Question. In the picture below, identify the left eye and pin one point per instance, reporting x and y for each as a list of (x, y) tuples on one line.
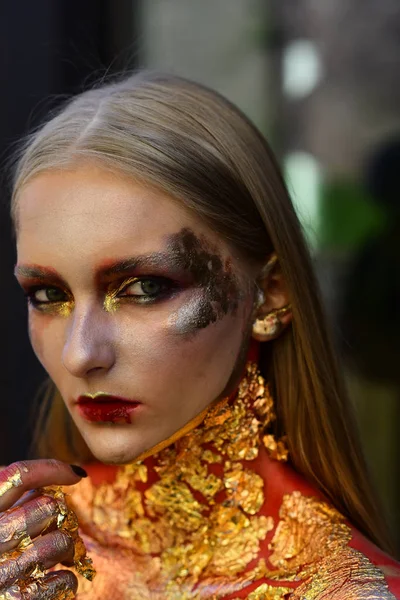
[(144, 287)]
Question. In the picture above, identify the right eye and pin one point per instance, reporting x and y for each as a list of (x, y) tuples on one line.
[(47, 295)]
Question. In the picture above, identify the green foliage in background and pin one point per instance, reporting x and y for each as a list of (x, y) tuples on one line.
[(348, 216)]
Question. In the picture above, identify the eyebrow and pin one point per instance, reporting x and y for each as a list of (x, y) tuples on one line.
[(127, 265), (105, 270), (36, 272)]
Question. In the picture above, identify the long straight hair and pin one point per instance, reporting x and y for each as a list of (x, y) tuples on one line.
[(193, 144)]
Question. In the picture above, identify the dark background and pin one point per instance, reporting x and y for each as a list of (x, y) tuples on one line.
[(48, 51)]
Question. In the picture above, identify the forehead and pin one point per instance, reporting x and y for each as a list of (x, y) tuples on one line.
[(92, 213)]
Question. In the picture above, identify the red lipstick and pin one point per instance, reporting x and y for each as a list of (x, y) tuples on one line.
[(105, 408)]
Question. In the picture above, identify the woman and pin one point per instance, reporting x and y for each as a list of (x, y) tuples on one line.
[(172, 302)]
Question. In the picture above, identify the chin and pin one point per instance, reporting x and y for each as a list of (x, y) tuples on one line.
[(114, 448), (113, 458)]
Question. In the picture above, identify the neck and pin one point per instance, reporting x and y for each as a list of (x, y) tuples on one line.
[(205, 478)]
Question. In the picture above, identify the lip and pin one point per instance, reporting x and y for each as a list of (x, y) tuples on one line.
[(106, 408)]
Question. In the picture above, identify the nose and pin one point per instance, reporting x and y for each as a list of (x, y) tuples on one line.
[(89, 343)]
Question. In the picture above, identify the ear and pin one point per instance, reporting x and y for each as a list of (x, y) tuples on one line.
[(273, 312)]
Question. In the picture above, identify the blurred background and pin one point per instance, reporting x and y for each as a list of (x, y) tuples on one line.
[(320, 78)]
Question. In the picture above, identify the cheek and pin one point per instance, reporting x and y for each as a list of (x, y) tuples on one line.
[(37, 329), (44, 340), (169, 363)]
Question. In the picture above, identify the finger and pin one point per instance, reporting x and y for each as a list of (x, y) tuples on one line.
[(46, 551), (27, 497), (22, 476), (59, 584), (30, 519), (12, 593)]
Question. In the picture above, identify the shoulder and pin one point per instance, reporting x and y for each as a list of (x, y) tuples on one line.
[(385, 565), (348, 574), (314, 544)]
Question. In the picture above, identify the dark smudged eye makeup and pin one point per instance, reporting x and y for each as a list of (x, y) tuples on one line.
[(46, 295), (146, 289), (136, 289)]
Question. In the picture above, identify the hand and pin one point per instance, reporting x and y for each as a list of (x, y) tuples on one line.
[(28, 513)]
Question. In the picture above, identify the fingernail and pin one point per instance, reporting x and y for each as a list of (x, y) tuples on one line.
[(78, 471)]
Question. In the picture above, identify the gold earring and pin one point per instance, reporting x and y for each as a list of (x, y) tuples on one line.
[(270, 325)]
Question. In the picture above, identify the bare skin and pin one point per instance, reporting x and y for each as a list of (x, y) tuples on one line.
[(22, 514)]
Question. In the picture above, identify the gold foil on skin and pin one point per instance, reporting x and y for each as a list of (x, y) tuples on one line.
[(47, 592), (307, 530), (14, 529), (277, 449), (13, 480), (268, 592), (186, 536), (34, 587), (347, 575), (310, 543), (14, 571), (245, 488), (38, 572), (13, 593), (24, 543), (14, 523), (177, 517), (68, 522)]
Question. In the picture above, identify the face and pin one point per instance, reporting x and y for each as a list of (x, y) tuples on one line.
[(138, 311)]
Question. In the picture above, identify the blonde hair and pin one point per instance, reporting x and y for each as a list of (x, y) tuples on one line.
[(196, 146)]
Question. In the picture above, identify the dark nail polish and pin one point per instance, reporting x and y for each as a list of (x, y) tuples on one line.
[(78, 471)]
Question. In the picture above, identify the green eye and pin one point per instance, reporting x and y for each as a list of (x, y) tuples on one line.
[(143, 287), (150, 287), (49, 295)]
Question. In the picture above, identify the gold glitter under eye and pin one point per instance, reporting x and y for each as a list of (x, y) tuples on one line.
[(191, 522), (110, 302), (112, 299), (61, 309), (50, 305)]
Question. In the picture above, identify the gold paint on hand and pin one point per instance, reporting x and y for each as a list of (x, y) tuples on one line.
[(13, 480)]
